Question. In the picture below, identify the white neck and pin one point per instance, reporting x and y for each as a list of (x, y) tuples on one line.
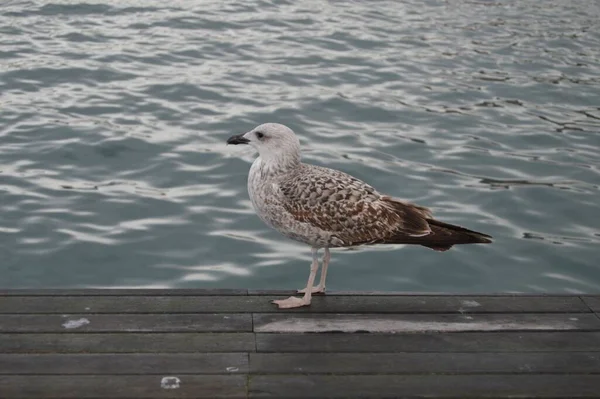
[(273, 165), (280, 160)]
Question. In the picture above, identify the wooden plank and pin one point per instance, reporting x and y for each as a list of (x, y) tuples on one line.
[(134, 304), (119, 386), (593, 302), (132, 364), (436, 386), (126, 342), (253, 292), (123, 292), (431, 342), (424, 363), (391, 323), (228, 322), (321, 304), (269, 292)]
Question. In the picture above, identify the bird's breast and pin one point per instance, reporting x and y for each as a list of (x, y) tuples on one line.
[(261, 188)]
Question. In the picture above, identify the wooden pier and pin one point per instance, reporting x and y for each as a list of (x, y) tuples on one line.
[(235, 344)]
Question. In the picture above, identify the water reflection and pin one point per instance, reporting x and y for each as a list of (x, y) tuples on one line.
[(114, 172)]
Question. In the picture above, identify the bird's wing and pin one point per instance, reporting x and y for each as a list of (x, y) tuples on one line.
[(350, 209)]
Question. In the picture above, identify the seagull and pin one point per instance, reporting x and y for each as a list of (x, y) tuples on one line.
[(326, 208)]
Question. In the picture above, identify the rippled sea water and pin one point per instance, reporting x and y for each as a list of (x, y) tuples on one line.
[(114, 114)]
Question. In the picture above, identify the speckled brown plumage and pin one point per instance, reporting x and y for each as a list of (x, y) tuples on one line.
[(355, 213)]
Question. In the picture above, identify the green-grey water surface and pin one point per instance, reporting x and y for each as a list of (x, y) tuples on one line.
[(114, 114)]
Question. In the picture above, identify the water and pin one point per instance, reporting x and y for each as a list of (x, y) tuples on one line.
[(114, 115)]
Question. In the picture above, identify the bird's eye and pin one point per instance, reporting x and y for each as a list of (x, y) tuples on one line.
[(260, 135)]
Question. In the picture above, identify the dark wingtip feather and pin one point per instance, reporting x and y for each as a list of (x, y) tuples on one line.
[(486, 239), (469, 236)]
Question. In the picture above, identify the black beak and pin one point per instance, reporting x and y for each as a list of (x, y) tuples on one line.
[(239, 139)]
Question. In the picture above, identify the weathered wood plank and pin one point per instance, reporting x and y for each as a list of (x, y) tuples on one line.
[(431, 342), (131, 364), (321, 304), (269, 292), (123, 292), (593, 302), (253, 292), (424, 363), (133, 304), (118, 386), (126, 342), (392, 323), (436, 386), (227, 322)]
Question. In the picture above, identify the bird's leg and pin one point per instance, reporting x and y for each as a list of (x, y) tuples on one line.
[(320, 288), (315, 259), (326, 258), (295, 302)]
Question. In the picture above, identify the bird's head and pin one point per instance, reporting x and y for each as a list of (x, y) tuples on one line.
[(273, 141)]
